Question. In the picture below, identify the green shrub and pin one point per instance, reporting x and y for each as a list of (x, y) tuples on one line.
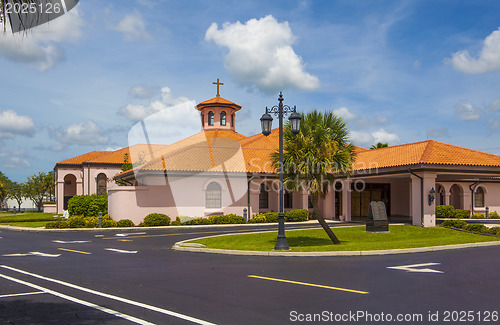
[(91, 222), (198, 221), (57, 224), (296, 215), (156, 219), (76, 222), (258, 218), (227, 219), (108, 223), (445, 211), (125, 223), (477, 216), (494, 215), (454, 223), (88, 205), (271, 216), (461, 214), (494, 231), (477, 228)]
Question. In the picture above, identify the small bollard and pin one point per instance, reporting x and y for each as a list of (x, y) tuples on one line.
[(100, 219), (245, 214), (487, 212)]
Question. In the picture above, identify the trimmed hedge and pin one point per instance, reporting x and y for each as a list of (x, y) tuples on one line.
[(82, 222), (478, 216), (476, 228), (454, 223), (445, 211), (125, 223), (226, 219), (461, 214), (155, 219), (494, 215), (88, 205), (296, 215)]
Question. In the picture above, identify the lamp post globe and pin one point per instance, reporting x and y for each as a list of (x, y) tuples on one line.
[(266, 122), (295, 122)]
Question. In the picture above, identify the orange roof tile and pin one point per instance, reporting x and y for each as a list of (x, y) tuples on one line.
[(82, 158), (216, 101)]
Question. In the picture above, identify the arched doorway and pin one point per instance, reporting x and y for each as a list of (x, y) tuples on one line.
[(69, 189), (440, 197), (456, 196), (102, 183)]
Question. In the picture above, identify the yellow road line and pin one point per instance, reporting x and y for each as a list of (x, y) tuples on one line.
[(307, 284), (99, 235), (124, 239), (71, 250)]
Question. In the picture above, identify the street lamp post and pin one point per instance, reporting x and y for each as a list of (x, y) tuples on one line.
[(266, 122)]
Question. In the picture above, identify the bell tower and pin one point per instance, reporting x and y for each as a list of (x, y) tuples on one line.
[(218, 113)]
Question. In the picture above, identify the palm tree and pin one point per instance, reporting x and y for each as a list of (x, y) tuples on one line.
[(379, 145), (315, 157)]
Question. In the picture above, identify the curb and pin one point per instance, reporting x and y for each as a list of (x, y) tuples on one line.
[(179, 247)]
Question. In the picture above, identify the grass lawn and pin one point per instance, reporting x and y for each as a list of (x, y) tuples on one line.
[(351, 238), (28, 219)]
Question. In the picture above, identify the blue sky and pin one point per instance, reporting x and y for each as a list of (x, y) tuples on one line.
[(396, 71)]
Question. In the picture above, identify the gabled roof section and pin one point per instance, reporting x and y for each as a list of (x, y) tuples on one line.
[(428, 152), (82, 158)]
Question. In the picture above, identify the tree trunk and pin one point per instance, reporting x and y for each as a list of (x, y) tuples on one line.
[(321, 220)]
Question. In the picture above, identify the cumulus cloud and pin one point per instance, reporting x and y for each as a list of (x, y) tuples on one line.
[(467, 112), (143, 92), (494, 106), (344, 113), (85, 133), (261, 55), (167, 100), (365, 139), (16, 163), (40, 47), (12, 124), (132, 27), (487, 60)]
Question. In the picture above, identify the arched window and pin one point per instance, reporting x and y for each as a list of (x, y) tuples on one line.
[(223, 118), (101, 181), (263, 197), (232, 120), (479, 197), (210, 118), (213, 196)]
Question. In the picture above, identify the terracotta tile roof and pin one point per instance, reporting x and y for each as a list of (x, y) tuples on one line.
[(82, 158), (429, 152), (216, 101)]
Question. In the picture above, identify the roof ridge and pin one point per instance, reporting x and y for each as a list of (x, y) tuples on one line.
[(257, 136), (427, 151), (475, 150)]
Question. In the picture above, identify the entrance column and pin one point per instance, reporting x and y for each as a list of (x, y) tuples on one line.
[(429, 210), (415, 201), (346, 200)]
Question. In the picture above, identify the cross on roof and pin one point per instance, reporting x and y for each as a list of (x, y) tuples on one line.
[(218, 84)]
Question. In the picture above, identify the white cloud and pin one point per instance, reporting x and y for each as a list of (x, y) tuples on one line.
[(136, 112), (261, 54), (467, 112), (11, 124), (494, 106), (40, 46), (85, 133), (143, 92), (365, 139), (488, 59), (132, 27), (344, 113), (16, 163)]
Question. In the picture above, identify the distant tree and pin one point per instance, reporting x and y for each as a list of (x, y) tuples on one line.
[(51, 185), (37, 188), (127, 165), (379, 145), (4, 183), (16, 191)]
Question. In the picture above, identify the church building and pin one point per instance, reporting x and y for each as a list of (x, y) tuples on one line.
[(220, 171)]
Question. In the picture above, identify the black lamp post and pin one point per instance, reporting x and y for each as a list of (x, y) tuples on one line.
[(266, 121)]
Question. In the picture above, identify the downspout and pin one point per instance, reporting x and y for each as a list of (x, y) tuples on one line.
[(421, 196), (472, 195)]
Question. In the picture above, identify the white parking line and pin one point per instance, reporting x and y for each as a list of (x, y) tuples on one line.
[(71, 241), (120, 251), (79, 301), (106, 295), (22, 294)]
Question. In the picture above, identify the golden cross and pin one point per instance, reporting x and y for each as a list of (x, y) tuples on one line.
[(218, 84)]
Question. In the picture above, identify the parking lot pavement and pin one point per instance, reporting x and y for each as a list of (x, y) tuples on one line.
[(119, 277)]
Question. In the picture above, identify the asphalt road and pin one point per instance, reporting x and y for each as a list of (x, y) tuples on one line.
[(103, 278)]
